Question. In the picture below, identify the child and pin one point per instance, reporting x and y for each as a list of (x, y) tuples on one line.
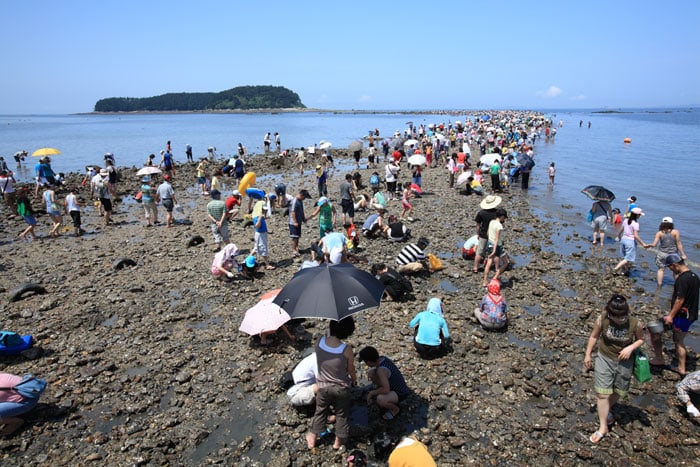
[(493, 311), (417, 172), (405, 205), (551, 172), (617, 223)]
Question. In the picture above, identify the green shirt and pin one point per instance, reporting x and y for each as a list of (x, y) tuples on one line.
[(216, 209)]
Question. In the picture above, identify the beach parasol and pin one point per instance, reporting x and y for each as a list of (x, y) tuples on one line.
[(598, 193), (262, 317), (463, 177), (355, 146), (330, 292), (46, 152), (150, 170), (440, 136), (410, 142), (416, 159), (489, 158), (325, 145)]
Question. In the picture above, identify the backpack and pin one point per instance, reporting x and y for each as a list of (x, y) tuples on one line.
[(239, 166), (374, 180), (29, 388)]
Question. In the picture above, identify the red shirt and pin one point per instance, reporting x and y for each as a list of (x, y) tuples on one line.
[(232, 202), (396, 155)]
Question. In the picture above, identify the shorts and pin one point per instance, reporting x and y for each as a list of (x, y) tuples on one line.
[(220, 233), (481, 247), (499, 249), (106, 204), (168, 204), (406, 204), (348, 207), (612, 375), (660, 259), (201, 180), (600, 223), (29, 219), (260, 244), (628, 249), (294, 231), (391, 186), (681, 324)]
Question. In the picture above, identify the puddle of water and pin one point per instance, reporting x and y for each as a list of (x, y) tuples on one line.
[(136, 371), (110, 321), (215, 321), (568, 293), (655, 400), (533, 310), (448, 287), (523, 343)]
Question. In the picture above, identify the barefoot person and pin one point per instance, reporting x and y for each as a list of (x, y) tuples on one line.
[(389, 384), (336, 376), (618, 335), (684, 311)]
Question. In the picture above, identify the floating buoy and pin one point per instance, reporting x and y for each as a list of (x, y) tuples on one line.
[(628, 140)]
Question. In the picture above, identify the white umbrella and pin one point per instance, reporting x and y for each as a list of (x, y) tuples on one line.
[(416, 159), (463, 177), (410, 142), (325, 145), (440, 136), (149, 170), (489, 158)]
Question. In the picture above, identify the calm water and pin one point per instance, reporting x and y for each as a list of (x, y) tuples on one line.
[(660, 165)]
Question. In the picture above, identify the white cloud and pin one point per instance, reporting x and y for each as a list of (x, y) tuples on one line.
[(552, 91), (580, 97), (365, 98)]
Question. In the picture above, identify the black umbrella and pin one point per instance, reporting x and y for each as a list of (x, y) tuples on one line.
[(330, 292), (526, 161), (598, 193)]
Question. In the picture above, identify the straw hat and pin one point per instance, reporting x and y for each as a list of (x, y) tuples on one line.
[(490, 202)]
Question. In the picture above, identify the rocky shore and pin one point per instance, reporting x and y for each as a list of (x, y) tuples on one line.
[(146, 365)]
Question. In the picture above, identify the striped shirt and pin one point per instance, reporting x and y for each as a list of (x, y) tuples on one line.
[(396, 381), (410, 254)]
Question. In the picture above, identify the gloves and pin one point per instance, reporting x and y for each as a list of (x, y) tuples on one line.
[(693, 411)]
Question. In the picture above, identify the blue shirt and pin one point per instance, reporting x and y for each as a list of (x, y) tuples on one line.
[(430, 322), (263, 225)]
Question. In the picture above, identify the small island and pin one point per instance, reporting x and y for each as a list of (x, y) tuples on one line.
[(238, 98)]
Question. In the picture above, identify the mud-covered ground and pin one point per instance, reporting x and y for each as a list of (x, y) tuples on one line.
[(146, 365)]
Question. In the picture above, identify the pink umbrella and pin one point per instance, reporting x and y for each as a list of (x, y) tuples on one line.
[(264, 316)]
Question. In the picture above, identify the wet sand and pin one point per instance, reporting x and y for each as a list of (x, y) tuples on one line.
[(146, 364)]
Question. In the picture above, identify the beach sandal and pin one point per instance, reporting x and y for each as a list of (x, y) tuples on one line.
[(596, 437), (675, 369)]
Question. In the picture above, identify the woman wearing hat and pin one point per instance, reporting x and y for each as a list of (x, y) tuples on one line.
[(53, 210), (629, 240), (669, 241), (148, 201)]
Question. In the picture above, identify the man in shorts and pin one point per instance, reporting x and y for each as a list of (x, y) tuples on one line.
[(483, 218), (166, 195), (296, 218), (347, 195), (684, 311), (218, 216)]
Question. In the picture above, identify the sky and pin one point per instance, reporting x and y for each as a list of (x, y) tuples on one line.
[(63, 56)]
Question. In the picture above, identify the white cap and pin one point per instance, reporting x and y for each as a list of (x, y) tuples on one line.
[(667, 220)]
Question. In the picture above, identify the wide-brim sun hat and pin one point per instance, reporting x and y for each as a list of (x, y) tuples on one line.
[(638, 211), (490, 202)]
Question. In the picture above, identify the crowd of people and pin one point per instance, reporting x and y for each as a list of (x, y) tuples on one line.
[(325, 378)]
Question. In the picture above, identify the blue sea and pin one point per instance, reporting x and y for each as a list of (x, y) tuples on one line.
[(659, 166)]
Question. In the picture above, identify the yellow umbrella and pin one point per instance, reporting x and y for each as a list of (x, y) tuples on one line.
[(46, 152)]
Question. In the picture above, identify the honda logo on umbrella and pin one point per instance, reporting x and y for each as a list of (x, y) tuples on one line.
[(354, 302)]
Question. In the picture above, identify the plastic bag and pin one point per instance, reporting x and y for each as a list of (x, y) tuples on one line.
[(435, 263), (642, 371), (590, 216)]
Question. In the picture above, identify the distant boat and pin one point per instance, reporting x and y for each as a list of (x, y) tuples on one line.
[(628, 140)]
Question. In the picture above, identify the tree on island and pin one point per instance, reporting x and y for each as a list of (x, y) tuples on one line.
[(238, 98)]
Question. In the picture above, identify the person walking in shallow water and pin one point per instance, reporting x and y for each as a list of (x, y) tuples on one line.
[(630, 237), (669, 241)]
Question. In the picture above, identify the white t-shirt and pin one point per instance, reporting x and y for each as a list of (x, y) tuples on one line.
[(72, 203), (390, 172)]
